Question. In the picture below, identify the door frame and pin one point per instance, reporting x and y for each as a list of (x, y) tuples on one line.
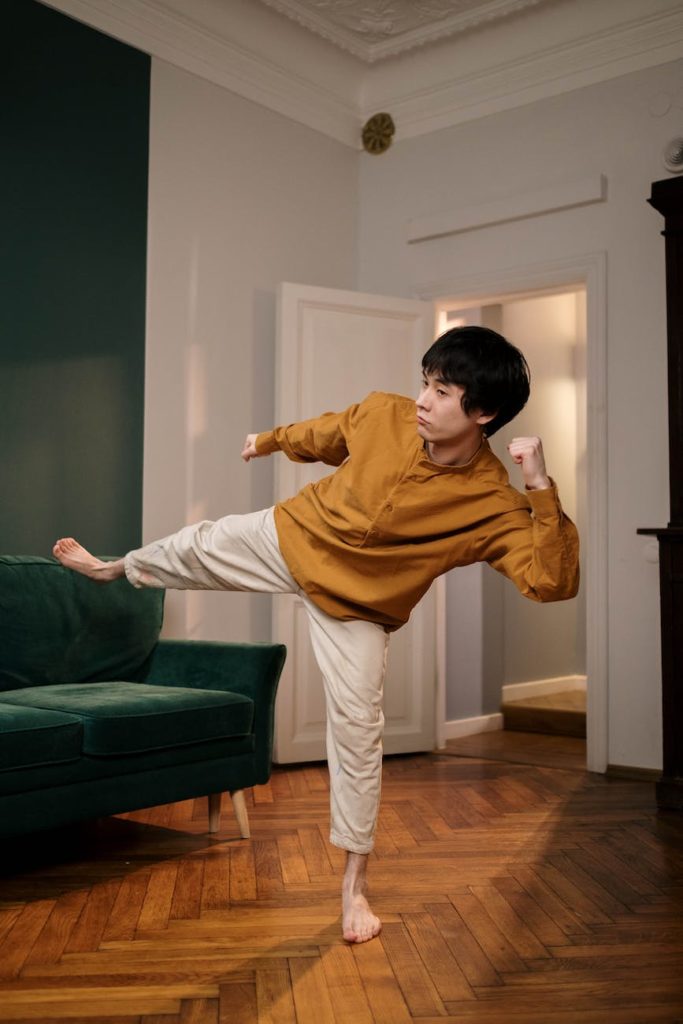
[(587, 270)]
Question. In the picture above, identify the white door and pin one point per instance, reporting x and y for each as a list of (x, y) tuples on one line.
[(333, 348)]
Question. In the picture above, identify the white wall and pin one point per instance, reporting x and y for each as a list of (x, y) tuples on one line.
[(240, 199), (615, 129)]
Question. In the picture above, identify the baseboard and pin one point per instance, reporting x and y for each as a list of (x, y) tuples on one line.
[(626, 771), (458, 727), (539, 687)]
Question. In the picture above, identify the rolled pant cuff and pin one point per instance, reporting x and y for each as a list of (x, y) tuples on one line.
[(133, 575), (350, 845)]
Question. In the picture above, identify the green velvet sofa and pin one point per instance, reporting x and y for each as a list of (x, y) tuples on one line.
[(99, 716)]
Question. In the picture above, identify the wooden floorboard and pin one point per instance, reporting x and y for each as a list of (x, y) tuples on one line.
[(523, 748), (510, 892)]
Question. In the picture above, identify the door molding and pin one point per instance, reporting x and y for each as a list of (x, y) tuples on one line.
[(588, 270)]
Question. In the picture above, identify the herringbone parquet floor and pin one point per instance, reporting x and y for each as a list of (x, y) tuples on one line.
[(509, 893)]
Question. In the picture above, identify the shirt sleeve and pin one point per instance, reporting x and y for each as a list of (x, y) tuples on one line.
[(537, 550), (324, 439)]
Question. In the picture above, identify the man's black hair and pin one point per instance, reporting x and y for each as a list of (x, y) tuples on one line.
[(493, 374)]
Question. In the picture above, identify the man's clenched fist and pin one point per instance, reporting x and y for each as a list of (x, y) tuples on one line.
[(527, 452), (249, 450)]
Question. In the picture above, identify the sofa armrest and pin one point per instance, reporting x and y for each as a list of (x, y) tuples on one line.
[(250, 669)]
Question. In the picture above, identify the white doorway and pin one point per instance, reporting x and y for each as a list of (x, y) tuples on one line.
[(498, 645)]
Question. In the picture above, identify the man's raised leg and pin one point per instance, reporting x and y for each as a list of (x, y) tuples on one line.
[(72, 555), (233, 553)]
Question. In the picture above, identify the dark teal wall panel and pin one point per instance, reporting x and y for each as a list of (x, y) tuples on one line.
[(74, 129)]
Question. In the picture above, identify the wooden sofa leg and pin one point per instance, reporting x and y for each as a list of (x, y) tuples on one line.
[(240, 808), (214, 811)]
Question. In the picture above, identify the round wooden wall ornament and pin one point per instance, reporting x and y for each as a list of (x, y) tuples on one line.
[(378, 133)]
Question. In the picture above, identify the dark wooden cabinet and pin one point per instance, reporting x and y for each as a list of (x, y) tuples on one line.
[(667, 198)]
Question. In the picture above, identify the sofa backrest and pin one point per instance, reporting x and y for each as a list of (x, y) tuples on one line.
[(56, 626)]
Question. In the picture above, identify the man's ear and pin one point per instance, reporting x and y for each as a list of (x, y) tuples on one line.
[(483, 418)]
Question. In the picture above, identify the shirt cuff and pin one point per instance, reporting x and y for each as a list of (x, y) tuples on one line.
[(266, 443), (545, 502)]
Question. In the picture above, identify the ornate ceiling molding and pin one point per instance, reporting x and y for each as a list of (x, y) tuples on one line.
[(597, 57), (375, 29), (301, 88)]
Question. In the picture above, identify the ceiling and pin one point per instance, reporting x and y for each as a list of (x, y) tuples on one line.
[(376, 29)]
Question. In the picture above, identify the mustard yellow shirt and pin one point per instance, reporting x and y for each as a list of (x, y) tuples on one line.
[(367, 541)]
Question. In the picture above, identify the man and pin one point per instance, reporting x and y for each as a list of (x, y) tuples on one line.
[(417, 492)]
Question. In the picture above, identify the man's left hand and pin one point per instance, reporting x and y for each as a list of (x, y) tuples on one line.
[(527, 452)]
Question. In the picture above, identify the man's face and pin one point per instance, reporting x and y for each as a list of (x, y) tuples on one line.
[(440, 416)]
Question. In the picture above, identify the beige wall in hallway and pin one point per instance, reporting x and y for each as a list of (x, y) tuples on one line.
[(543, 641), (494, 635)]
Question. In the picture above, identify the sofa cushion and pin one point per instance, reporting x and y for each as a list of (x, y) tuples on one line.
[(32, 737), (57, 626), (86, 769), (123, 718)]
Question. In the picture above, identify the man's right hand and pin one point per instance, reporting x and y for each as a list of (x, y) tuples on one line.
[(249, 450)]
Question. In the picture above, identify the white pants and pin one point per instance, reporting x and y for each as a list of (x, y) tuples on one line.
[(242, 553)]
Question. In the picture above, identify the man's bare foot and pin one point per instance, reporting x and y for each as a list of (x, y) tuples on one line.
[(359, 924), (70, 553)]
